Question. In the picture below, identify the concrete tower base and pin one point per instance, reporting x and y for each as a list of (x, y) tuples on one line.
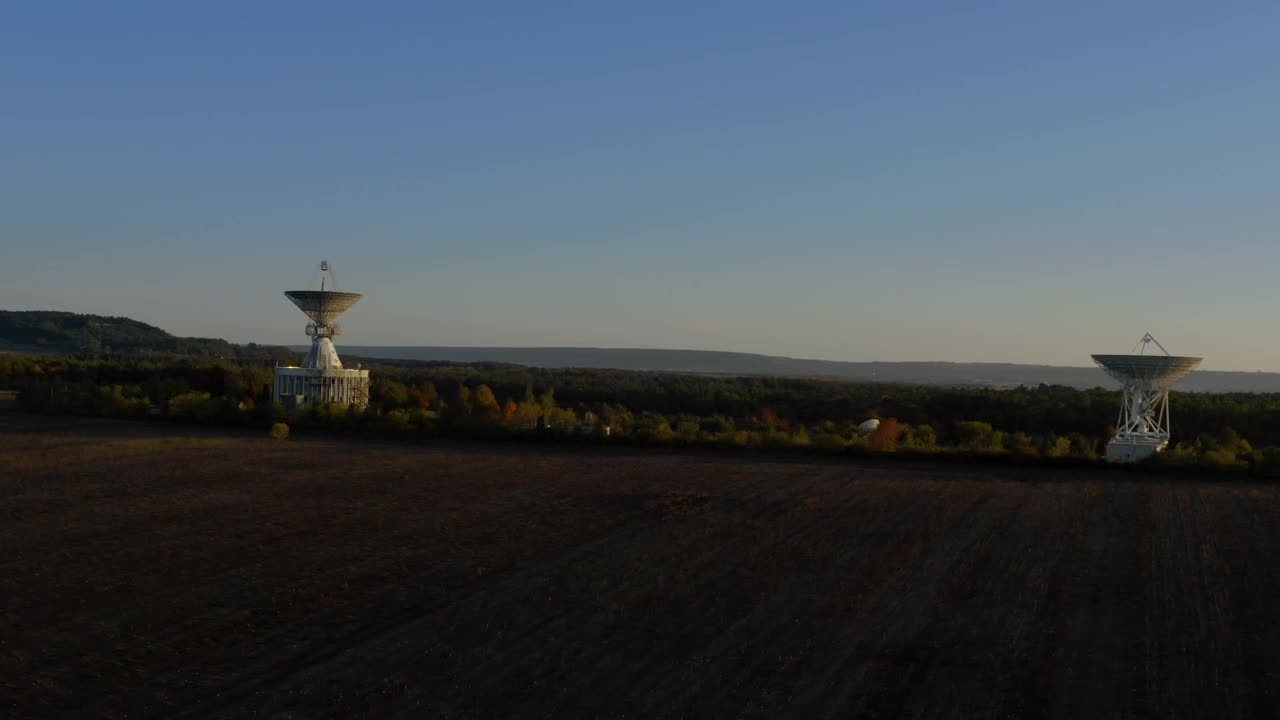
[(1129, 451), (298, 387)]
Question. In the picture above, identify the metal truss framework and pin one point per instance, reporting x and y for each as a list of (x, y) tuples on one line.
[(1144, 415)]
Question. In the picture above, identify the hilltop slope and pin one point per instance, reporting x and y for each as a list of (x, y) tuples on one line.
[(65, 332), (736, 363)]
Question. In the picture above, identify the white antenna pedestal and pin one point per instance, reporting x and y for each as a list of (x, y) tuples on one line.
[(321, 378), (1143, 427)]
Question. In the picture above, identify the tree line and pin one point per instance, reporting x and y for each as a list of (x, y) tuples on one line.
[(1210, 430)]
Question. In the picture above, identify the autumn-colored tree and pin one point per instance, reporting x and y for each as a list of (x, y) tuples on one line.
[(562, 417), (484, 403), (424, 395), (769, 419), (652, 426), (616, 417), (1024, 445), (1229, 441), (548, 401), (525, 415), (1056, 446), (509, 409), (886, 436)]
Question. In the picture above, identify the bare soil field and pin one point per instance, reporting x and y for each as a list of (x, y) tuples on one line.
[(151, 571)]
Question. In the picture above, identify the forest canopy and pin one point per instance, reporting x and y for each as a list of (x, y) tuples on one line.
[(1211, 430)]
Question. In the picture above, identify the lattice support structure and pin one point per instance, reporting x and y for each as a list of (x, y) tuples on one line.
[(1144, 414)]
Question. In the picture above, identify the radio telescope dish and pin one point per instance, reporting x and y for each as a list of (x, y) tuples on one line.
[(321, 377), (1143, 427), (323, 306)]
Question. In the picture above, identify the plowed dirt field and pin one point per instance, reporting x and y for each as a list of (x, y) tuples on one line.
[(158, 572)]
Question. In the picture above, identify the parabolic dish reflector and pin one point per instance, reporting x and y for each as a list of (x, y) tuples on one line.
[(1153, 371), (323, 306)]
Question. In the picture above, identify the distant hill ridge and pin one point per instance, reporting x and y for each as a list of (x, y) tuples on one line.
[(737, 363), (70, 333), (51, 331)]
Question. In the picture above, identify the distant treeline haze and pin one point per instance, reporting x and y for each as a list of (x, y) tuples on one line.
[(653, 407)]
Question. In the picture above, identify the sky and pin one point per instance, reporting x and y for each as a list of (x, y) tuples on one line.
[(992, 182)]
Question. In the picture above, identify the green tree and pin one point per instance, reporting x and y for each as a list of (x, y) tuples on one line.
[(687, 428), (921, 438), (392, 395), (716, 425), (1083, 447), (978, 436), (652, 426)]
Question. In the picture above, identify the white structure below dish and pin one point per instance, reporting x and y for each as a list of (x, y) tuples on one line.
[(321, 378), (1133, 450), (302, 386)]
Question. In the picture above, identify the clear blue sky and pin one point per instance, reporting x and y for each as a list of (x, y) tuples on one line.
[(994, 181)]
